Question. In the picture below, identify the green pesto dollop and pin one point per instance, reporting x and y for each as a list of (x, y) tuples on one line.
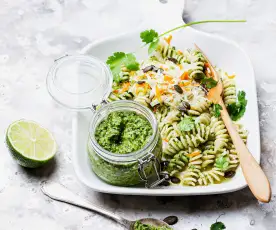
[(123, 132), (139, 226)]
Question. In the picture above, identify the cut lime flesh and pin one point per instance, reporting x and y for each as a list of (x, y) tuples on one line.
[(30, 144)]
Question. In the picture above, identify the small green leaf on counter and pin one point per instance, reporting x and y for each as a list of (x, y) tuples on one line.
[(209, 82), (237, 110), (118, 59), (217, 108), (148, 36), (187, 124), (217, 226)]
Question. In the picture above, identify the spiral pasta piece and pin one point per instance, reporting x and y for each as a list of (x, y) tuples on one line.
[(200, 106), (142, 99), (220, 132), (204, 118), (190, 176), (122, 96), (210, 177), (168, 51), (161, 113), (208, 154), (178, 163), (197, 73), (229, 91)]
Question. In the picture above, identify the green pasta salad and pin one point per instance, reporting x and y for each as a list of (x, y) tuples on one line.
[(173, 83)]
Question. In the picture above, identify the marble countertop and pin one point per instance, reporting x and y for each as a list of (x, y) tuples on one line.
[(35, 32)]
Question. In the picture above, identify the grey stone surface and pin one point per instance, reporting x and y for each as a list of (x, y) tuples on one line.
[(35, 32)]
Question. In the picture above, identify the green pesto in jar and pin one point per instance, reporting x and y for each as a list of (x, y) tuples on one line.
[(140, 226), (123, 132)]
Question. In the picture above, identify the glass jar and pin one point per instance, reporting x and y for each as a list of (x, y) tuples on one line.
[(122, 169), (84, 82)]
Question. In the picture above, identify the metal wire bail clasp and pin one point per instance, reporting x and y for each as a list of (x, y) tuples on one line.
[(150, 161)]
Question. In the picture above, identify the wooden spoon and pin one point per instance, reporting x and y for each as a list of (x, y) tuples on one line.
[(254, 175)]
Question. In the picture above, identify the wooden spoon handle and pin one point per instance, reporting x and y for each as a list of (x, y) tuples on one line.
[(254, 175)]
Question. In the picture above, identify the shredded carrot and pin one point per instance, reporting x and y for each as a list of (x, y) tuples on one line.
[(166, 140), (158, 94), (180, 66), (179, 52), (116, 91), (168, 78), (206, 64), (193, 154), (185, 76), (125, 86), (168, 39)]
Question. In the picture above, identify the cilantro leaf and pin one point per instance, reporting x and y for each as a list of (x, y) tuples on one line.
[(237, 110), (222, 163), (216, 109), (118, 59), (148, 36), (209, 82), (187, 124), (217, 226), (130, 62)]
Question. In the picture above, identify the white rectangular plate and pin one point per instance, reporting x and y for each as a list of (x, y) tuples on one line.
[(222, 53)]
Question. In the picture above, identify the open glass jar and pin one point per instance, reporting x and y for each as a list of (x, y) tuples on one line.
[(84, 82)]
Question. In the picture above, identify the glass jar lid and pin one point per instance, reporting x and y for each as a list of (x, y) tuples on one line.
[(79, 81)]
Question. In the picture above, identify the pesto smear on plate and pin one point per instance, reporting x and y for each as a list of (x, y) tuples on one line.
[(123, 132), (139, 226)]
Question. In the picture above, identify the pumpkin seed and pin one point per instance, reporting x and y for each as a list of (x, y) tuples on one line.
[(175, 180), (171, 220), (173, 60), (150, 68), (184, 107), (178, 89), (229, 174)]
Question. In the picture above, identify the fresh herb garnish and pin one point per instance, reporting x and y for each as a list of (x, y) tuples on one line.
[(216, 109), (209, 82), (148, 36), (187, 124), (222, 163), (151, 37), (217, 226), (118, 59), (237, 110)]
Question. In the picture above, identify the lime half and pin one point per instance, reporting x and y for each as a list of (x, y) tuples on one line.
[(30, 144)]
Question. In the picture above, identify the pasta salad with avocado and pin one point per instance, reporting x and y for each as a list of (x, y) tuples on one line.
[(197, 149)]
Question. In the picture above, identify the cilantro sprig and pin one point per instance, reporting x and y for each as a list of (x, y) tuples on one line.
[(216, 109), (151, 37), (222, 162), (119, 59), (187, 124), (237, 110)]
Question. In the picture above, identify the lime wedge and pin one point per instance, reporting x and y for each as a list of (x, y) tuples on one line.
[(30, 144)]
